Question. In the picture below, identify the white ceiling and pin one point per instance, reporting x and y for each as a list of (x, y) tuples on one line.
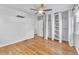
[(26, 7)]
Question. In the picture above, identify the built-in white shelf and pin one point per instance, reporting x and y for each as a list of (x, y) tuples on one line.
[(56, 30), (77, 33), (57, 26)]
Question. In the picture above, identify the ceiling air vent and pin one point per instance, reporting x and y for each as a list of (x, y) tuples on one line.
[(20, 16)]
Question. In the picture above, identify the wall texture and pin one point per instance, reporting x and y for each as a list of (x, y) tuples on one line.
[(12, 28), (39, 26)]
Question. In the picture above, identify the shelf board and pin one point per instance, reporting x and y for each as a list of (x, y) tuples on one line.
[(77, 33), (56, 34), (56, 38), (56, 26)]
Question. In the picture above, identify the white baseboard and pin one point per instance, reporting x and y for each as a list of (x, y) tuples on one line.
[(16, 41), (40, 35), (71, 44), (77, 50)]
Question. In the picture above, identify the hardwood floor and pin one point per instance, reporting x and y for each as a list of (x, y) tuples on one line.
[(38, 46)]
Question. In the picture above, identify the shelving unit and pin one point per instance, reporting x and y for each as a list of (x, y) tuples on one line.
[(65, 25), (77, 33), (56, 26)]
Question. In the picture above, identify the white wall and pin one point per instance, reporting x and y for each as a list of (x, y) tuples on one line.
[(39, 26), (12, 28)]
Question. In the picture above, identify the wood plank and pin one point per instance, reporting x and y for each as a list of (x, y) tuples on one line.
[(38, 46)]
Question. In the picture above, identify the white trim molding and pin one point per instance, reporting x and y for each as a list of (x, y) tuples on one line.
[(77, 50), (46, 28), (60, 27), (53, 25), (70, 28)]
